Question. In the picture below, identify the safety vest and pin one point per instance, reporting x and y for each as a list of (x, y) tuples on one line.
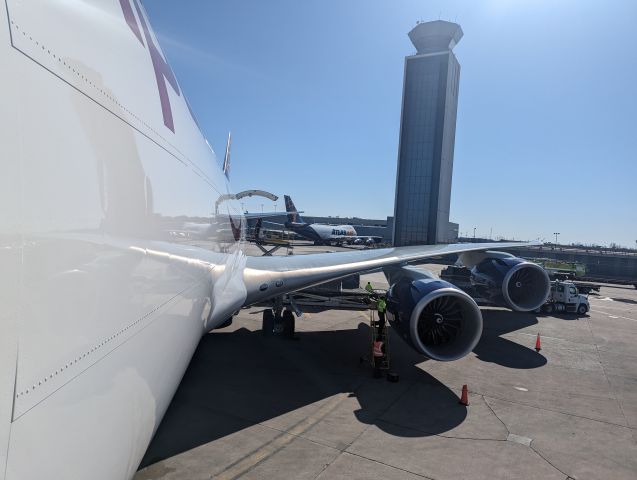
[(369, 288), (378, 348), (381, 306)]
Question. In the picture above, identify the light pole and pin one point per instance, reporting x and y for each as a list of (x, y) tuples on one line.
[(261, 208), (556, 234), (474, 234)]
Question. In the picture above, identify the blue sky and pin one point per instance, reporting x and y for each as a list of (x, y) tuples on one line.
[(546, 138)]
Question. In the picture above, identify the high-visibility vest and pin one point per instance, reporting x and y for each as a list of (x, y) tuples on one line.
[(369, 288), (378, 348), (381, 306)]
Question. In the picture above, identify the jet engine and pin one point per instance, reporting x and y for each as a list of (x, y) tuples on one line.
[(507, 281), (434, 317)]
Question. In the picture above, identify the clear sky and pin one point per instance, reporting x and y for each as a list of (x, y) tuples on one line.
[(546, 138)]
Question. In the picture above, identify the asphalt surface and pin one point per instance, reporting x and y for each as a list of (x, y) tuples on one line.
[(255, 407)]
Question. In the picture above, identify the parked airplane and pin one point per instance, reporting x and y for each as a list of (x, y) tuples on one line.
[(101, 308), (322, 234)]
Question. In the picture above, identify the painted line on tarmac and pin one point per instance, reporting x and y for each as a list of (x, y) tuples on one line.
[(610, 315), (519, 439), (608, 306)]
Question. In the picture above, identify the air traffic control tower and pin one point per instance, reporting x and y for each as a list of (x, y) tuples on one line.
[(427, 137)]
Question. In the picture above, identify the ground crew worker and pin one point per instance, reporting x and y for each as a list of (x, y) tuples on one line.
[(378, 349), (378, 354), (369, 288), (381, 306)]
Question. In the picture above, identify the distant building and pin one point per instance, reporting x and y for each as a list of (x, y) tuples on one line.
[(427, 137)]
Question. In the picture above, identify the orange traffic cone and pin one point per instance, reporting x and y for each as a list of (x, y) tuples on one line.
[(538, 345), (464, 398)]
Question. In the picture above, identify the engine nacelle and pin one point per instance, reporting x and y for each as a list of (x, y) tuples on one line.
[(434, 317), (508, 281)]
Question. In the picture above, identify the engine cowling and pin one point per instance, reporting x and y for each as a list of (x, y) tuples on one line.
[(510, 281), (434, 317)]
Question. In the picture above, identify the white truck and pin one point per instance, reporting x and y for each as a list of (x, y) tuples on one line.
[(565, 297)]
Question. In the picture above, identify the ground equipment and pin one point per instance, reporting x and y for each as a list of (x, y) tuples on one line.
[(565, 297)]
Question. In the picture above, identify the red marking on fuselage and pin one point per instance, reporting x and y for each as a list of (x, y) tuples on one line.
[(162, 70), (130, 19)]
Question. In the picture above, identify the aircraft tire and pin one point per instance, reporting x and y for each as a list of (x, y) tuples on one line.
[(267, 326), (288, 324)]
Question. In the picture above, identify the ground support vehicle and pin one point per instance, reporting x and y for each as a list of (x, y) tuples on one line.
[(565, 297)]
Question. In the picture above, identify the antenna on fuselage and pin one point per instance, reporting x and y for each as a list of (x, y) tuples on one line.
[(226, 158)]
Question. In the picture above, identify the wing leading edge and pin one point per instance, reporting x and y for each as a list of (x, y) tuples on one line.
[(267, 277)]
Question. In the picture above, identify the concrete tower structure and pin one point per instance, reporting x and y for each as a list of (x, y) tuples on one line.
[(427, 137)]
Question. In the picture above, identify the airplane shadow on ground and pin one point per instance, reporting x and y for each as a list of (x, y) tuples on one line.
[(493, 348), (238, 378), (624, 300)]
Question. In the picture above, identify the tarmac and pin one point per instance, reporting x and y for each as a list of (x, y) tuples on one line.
[(253, 407)]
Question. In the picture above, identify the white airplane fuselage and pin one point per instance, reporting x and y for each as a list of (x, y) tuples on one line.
[(104, 176), (329, 233)]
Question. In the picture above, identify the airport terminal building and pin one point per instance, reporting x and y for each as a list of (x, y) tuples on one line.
[(427, 137)]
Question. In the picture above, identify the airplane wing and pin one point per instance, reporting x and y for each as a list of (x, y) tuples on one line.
[(274, 223), (251, 216), (267, 277), (254, 215)]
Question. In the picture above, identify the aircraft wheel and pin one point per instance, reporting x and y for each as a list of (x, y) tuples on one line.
[(288, 324), (267, 326), (582, 309)]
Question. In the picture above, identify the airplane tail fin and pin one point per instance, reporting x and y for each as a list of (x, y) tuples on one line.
[(293, 214)]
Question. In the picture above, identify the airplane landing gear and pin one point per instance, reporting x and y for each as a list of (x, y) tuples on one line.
[(267, 325), (288, 324), (278, 321)]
